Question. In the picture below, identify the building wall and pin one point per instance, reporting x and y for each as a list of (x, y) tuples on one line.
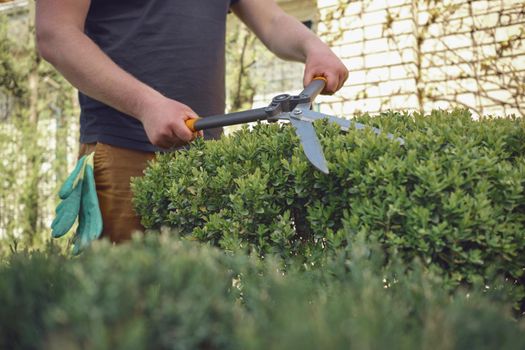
[(422, 54)]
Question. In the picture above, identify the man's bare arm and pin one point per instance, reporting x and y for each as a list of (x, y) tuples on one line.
[(62, 42), (290, 39)]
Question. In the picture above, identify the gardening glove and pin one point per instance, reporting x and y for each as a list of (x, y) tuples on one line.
[(70, 193), (90, 218), (79, 199)]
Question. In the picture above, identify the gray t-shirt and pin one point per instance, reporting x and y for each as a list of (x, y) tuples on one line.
[(174, 46)]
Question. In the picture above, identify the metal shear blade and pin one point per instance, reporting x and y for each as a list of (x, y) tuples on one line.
[(345, 124), (311, 145)]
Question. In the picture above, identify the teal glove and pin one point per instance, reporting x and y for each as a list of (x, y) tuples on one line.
[(90, 218), (79, 199), (70, 193)]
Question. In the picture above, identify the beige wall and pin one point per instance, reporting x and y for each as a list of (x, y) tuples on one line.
[(471, 55)]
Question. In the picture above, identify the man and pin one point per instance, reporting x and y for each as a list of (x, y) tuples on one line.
[(143, 67)]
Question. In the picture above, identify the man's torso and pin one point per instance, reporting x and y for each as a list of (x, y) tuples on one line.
[(176, 47)]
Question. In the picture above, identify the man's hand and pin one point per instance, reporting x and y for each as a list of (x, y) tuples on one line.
[(164, 122), (321, 61)]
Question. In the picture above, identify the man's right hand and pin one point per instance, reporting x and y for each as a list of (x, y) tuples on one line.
[(164, 122)]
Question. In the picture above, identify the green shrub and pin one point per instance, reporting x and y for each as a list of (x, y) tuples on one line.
[(30, 282), (159, 295), (162, 293), (453, 196), (355, 303)]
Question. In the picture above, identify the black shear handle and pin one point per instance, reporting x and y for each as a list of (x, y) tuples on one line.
[(252, 115), (314, 88), (216, 121)]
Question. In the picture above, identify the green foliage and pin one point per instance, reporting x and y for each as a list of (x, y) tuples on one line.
[(453, 196), (355, 303), (163, 293), (29, 283)]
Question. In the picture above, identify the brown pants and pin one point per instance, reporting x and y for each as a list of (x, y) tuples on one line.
[(114, 168)]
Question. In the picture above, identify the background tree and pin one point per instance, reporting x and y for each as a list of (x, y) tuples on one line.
[(240, 57), (37, 131)]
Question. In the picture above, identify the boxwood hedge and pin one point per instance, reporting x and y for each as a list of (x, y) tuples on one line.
[(452, 196), (163, 293)]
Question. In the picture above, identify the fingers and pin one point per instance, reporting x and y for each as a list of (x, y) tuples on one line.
[(332, 84), (165, 123), (335, 79), (308, 77), (192, 115), (181, 133), (343, 77), (173, 133), (323, 62)]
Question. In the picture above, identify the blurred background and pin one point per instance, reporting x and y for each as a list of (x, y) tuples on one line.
[(414, 55)]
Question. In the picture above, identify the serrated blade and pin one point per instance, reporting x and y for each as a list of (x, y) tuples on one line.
[(311, 145)]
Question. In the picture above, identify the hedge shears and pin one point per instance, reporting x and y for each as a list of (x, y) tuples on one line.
[(295, 109)]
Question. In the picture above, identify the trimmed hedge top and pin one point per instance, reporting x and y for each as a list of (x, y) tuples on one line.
[(453, 196)]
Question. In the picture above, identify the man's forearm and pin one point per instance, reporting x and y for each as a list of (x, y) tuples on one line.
[(91, 71), (86, 67), (283, 34), (291, 39)]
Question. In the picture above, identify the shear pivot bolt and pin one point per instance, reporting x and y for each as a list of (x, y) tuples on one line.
[(297, 111)]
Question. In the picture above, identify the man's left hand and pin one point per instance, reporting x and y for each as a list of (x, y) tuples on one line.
[(321, 61)]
